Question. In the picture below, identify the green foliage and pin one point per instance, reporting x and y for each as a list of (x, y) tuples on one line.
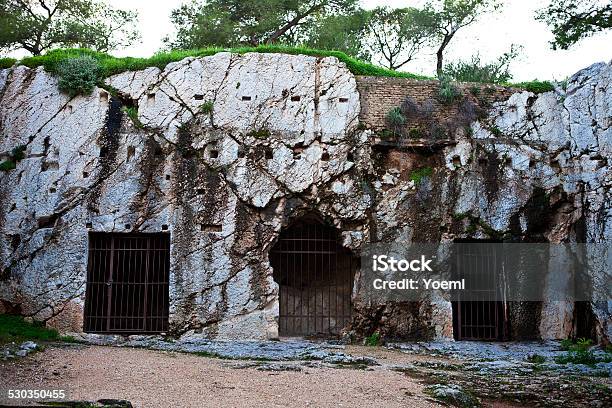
[(262, 133), (419, 174), (416, 133), (453, 15), (447, 92), (581, 344), (373, 339), (573, 20), (343, 32), (587, 357), (496, 131), (580, 352), (228, 23), (397, 35), (396, 118), (16, 329), (207, 107), (536, 86), (132, 113), (536, 359), (17, 154), (7, 165), (7, 62), (37, 26), (474, 70), (112, 65), (385, 134), (78, 75)]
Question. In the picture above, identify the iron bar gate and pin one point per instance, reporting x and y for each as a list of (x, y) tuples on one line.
[(315, 275), (482, 315), (127, 283)]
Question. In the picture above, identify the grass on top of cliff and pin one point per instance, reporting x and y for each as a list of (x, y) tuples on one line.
[(110, 65)]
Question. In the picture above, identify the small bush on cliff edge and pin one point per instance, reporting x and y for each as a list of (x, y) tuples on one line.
[(78, 75), (7, 62)]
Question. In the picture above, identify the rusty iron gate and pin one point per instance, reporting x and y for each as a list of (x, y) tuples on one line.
[(127, 283), (315, 275), (482, 315)]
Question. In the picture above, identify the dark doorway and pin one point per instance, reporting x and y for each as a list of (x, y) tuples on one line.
[(478, 313), (127, 283), (315, 274)]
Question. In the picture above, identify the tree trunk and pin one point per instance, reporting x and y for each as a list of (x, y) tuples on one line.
[(440, 53)]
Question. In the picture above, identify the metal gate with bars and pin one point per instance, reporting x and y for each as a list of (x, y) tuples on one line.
[(479, 314), (127, 283), (315, 274)]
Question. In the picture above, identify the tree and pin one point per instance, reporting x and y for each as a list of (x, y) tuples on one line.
[(573, 20), (344, 33), (397, 35), (474, 70), (453, 15), (254, 22), (38, 25)]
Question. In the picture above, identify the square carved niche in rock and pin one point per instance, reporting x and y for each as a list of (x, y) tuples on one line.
[(456, 161), (246, 98), (211, 228), (343, 100), (150, 98), (241, 153), (131, 151), (103, 96), (268, 153), (49, 166), (295, 98), (213, 154)]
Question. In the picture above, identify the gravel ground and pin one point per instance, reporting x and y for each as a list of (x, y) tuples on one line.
[(151, 378)]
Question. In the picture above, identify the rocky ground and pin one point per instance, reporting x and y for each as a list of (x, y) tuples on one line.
[(153, 372)]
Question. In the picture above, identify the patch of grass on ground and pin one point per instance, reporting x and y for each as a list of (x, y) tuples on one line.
[(373, 339), (419, 174), (16, 329), (581, 352)]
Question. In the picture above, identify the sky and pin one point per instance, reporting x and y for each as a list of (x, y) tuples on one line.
[(490, 37)]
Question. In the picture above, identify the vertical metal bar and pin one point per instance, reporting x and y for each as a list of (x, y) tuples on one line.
[(146, 277), (109, 293)]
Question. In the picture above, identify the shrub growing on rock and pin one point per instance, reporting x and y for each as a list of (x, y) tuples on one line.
[(78, 75), (448, 92), (396, 119)]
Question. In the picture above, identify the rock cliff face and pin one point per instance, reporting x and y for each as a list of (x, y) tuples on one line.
[(226, 151)]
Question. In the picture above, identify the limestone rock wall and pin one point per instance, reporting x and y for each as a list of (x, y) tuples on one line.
[(226, 150)]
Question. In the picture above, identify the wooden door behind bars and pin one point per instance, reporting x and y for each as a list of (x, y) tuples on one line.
[(315, 274), (480, 313), (127, 283)]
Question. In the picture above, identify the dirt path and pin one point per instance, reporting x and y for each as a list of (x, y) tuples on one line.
[(166, 379)]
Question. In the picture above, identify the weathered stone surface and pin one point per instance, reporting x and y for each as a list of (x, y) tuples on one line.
[(282, 139)]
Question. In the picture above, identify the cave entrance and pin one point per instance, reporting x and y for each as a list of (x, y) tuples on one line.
[(127, 283), (315, 276), (478, 314)]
